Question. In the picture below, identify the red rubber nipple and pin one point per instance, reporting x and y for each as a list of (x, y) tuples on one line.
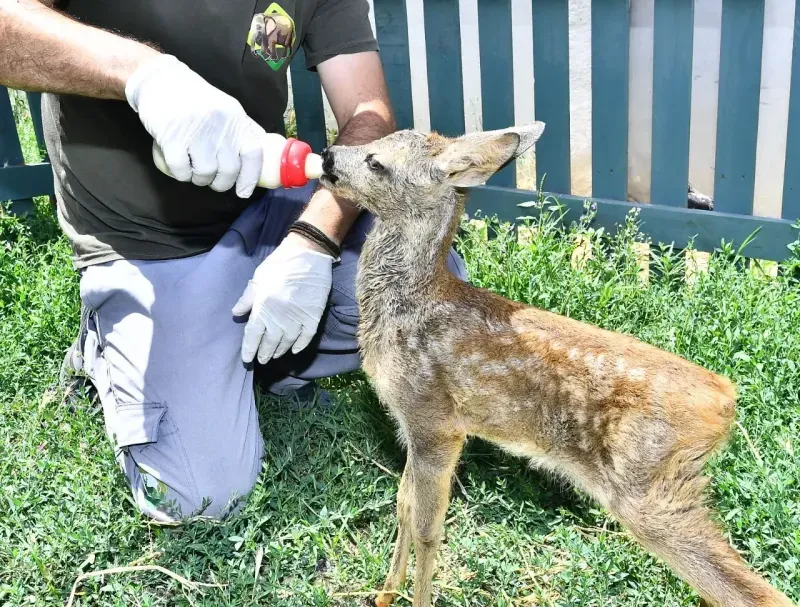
[(293, 163)]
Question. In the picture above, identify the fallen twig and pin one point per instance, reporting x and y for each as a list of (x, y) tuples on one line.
[(461, 486), (384, 468), (598, 530), (750, 443), (134, 568), (380, 466), (257, 569)]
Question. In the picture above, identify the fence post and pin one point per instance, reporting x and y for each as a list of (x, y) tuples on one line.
[(497, 75), (737, 112), (309, 109), (672, 101), (443, 55), (551, 92), (391, 22), (610, 46), (10, 150), (35, 105), (790, 207)]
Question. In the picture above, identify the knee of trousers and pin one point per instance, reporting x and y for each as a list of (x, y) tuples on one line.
[(180, 466), (167, 489)]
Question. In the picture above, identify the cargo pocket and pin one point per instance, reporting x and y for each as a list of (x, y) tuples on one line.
[(141, 424)]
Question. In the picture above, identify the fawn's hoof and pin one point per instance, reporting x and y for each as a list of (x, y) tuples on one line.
[(384, 599)]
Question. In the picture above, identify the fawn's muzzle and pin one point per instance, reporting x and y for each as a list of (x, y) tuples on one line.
[(327, 160), (327, 167), (327, 178)]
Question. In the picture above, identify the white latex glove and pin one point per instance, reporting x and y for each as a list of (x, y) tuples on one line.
[(205, 134), (286, 299)]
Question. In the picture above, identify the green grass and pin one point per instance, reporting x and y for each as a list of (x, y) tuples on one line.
[(321, 520), (322, 514)]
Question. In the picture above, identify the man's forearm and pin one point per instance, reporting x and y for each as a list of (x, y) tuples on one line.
[(43, 50), (334, 215)]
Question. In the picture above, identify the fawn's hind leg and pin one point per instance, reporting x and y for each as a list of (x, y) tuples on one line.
[(681, 532), (397, 571)]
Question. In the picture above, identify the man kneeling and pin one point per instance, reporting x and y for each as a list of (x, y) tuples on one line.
[(187, 282)]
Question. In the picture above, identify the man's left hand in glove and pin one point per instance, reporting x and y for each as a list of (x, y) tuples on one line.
[(286, 299)]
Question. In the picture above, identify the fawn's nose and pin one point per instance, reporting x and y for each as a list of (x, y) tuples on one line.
[(327, 160)]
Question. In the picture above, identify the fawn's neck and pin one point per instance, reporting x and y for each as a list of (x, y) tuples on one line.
[(403, 263)]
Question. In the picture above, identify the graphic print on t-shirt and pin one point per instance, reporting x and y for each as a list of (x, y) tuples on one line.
[(272, 36)]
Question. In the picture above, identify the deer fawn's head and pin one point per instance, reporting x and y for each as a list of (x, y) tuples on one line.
[(409, 173)]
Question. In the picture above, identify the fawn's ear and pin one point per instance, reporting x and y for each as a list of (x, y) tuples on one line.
[(471, 159)]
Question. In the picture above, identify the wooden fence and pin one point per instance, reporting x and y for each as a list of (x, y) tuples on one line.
[(667, 219), (20, 182)]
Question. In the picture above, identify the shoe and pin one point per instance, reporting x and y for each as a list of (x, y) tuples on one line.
[(72, 379)]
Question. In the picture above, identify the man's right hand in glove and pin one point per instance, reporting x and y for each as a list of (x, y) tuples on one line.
[(210, 140)]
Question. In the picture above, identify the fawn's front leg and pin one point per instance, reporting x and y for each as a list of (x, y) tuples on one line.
[(432, 463)]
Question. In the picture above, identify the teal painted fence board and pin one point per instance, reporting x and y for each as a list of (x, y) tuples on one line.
[(737, 110), (551, 92), (20, 183), (443, 56), (665, 224), (35, 105), (10, 150), (391, 23), (610, 47), (13, 175), (497, 75), (791, 177), (672, 100), (308, 106)]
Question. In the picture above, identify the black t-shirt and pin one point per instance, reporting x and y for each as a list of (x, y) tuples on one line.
[(113, 203)]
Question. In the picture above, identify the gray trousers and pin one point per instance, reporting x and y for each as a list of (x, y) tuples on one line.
[(164, 352)]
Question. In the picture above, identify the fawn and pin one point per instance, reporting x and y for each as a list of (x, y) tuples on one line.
[(628, 423)]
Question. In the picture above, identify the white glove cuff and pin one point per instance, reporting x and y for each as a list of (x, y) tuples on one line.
[(162, 62), (321, 255)]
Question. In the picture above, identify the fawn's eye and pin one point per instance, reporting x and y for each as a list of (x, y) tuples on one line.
[(374, 165)]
